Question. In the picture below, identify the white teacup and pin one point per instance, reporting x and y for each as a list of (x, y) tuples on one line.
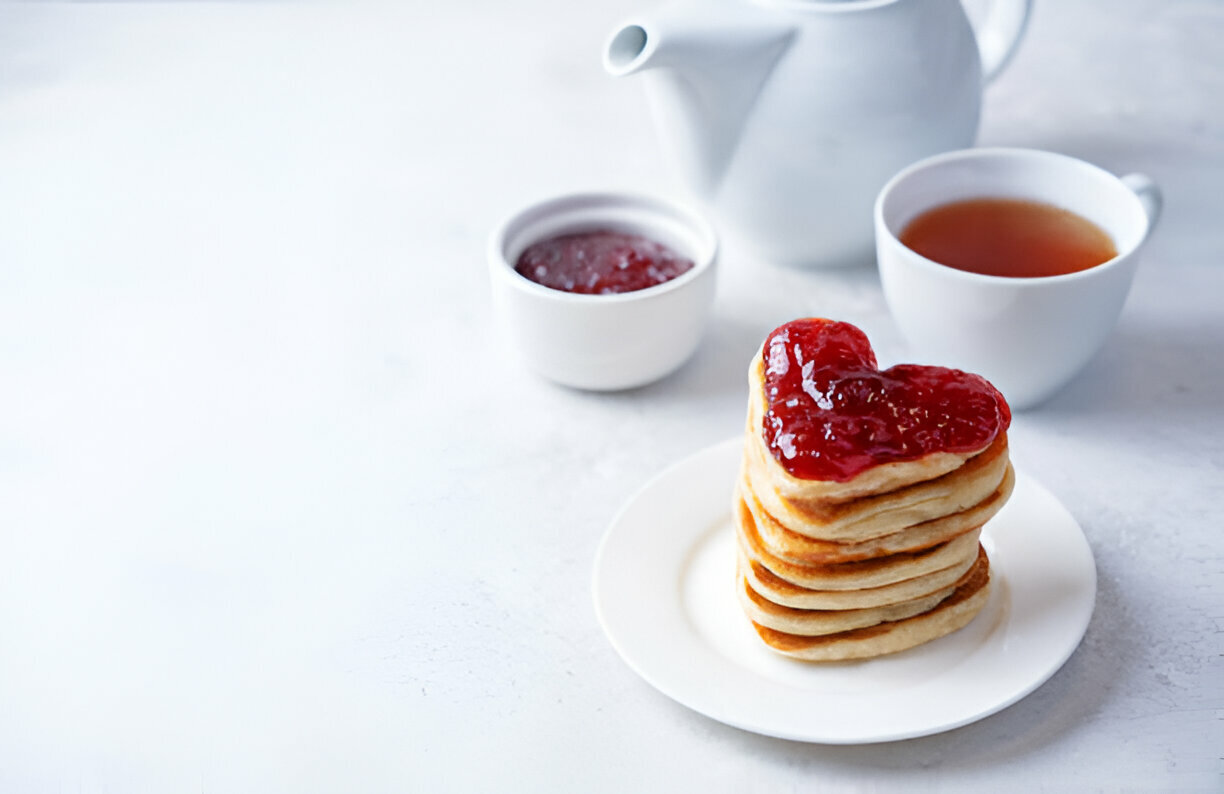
[(1028, 336)]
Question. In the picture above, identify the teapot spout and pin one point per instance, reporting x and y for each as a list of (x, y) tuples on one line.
[(705, 74), (627, 52)]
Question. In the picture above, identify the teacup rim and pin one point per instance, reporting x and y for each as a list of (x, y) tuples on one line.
[(987, 151)]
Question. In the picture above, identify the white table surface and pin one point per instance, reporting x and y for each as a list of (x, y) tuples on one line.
[(279, 512)]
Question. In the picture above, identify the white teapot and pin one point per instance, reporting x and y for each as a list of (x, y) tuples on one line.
[(786, 117)]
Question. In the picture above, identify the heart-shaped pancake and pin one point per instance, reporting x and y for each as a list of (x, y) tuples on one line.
[(831, 413)]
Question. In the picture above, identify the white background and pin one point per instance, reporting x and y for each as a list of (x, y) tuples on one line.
[(280, 512)]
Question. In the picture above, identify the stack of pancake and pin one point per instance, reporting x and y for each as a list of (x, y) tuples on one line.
[(886, 561)]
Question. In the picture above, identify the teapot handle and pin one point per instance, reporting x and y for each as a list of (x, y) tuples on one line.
[(1000, 32)]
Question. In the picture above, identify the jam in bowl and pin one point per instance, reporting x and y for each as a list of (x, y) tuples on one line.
[(603, 291), (601, 262)]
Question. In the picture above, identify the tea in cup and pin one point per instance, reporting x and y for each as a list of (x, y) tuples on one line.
[(1011, 263)]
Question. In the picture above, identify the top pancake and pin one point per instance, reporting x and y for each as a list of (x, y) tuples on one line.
[(879, 479)]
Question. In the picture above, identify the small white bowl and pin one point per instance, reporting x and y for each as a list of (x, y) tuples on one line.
[(604, 342)]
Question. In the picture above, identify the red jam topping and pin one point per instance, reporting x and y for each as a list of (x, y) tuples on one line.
[(600, 263), (831, 414)]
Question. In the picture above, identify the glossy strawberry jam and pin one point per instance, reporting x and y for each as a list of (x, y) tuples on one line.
[(600, 263), (831, 414)]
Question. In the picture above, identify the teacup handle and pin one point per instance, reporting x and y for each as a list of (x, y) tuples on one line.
[(1149, 195), (999, 34)]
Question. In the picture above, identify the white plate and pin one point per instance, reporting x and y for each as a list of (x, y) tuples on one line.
[(664, 593)]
